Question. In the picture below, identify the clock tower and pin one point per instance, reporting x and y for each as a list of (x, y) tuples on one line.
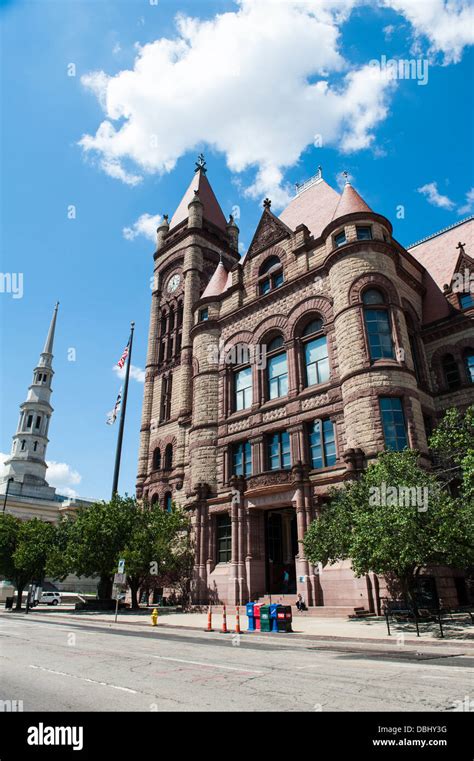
[(189, 249)]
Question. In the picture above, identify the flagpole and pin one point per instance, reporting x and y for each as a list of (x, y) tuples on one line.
[(118, 453)]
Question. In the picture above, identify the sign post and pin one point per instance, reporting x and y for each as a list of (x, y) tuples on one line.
[(120, 580)]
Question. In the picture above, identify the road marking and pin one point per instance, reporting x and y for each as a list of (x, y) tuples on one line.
[(209, 665), (83, 679)]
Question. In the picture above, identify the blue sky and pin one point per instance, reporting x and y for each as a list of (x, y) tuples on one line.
[(257, 117)]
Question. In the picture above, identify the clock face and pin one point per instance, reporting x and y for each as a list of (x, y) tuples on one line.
[(173, 283)]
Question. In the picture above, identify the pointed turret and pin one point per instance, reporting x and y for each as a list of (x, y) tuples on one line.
[(350, 202), (211, 211), (218, 282), (26, 466)]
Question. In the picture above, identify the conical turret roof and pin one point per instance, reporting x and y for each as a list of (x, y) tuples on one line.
[(211, 209), (350, 202), (218, 282)]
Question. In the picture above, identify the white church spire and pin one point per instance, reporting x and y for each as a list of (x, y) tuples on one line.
[(26, 466)]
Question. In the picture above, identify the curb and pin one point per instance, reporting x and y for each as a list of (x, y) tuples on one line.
[(457, 643)]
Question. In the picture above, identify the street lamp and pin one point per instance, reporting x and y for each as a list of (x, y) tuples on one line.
[(6, 493)]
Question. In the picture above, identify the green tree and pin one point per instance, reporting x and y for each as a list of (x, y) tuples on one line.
[(153, 547), (24, 549), (453, 446), (390, 531), (95, 539)]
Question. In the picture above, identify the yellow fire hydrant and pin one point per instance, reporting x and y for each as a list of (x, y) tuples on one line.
[(154, 617)]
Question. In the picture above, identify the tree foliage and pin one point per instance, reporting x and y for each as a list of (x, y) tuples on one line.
[(453, 446), (381, 529), (24, 549), (155, 547)]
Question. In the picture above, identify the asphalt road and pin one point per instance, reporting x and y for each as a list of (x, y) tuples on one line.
[(78, 666)]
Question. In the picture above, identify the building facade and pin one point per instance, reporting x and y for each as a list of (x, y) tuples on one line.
[(274, 376)]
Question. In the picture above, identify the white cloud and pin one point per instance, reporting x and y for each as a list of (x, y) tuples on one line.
[(135, 372), (59, 474), (434, 197), (145, 225), (448, 25), (469, 205), (239, 84), (63, 477)]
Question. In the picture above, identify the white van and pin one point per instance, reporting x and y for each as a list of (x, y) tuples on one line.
[(50, 598)]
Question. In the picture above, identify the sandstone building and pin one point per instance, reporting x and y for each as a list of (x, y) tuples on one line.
[(272, 377)]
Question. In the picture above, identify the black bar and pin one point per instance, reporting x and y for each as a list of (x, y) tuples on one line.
[(118, 453)]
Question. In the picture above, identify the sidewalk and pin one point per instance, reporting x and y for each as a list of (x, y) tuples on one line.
[(370, 630)]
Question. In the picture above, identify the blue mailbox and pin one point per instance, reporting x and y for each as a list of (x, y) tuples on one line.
[(250, 615), (274, 616)]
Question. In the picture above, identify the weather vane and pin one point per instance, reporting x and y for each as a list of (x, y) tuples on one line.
[(201, 164)]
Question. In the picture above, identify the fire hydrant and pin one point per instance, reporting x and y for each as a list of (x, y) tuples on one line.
[(154, 617)]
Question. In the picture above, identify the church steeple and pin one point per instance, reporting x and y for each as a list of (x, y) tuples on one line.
[(26, 465)]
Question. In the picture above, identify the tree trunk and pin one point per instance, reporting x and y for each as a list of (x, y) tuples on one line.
[(134, 585), (104, 587), (19, 598)]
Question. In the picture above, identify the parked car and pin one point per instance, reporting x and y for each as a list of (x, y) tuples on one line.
[(50, 598)]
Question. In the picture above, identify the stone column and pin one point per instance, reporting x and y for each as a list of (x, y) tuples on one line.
[(303, 581)]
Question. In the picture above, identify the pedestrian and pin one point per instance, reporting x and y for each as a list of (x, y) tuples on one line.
[(300, 603), (286, 581)]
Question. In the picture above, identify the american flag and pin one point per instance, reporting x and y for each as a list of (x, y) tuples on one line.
[(124, 356), (112, 416)]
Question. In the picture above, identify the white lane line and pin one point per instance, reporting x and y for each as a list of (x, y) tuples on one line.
[(83, 679), (208, 665)]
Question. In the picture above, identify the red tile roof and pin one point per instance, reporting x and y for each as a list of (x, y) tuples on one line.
[(211, 209), (439, 255), (313, 207), (350, 202), (218, 282)]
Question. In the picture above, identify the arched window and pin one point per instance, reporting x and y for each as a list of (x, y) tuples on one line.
[(451, 371), (377, 325), (23, 445), (154, 499), (315, 353), (270, 275), (157, 459), (469, 360), (277, 369), (168, 464), (167, 502)]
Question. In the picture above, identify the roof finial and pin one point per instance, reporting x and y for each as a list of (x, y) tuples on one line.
[(345, 174), (267, 204), (460, 246), (201, 164), (166, 218)]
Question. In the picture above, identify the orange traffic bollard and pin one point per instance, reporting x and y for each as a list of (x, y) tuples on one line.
[(209, 620), (224, 621), (237, 621)]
